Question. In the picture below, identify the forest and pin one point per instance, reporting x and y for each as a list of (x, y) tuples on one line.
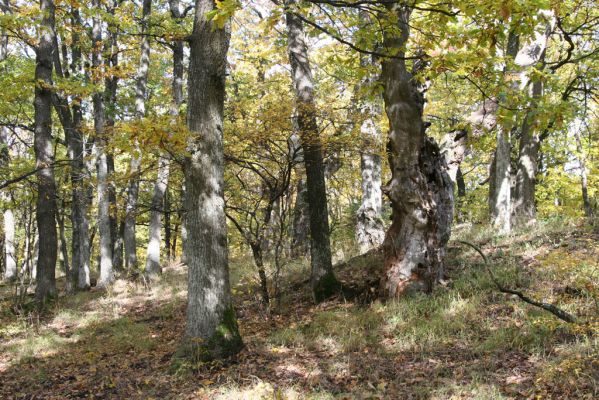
[(299, 199)]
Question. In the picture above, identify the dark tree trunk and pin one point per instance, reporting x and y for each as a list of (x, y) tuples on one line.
[(300, 227), (460, 183), (110, 92), (211, 317), (71, 118), (44, 155), (259, 260), (167, 223), (420, 190), (323, 280), (524, 196)]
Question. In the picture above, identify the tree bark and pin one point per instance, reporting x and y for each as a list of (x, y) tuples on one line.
[(153, 257), (8, 254), (524, 206), (110, 93), (10, 261), (71, 118), (153, 266), (211, 330), (500, 200), (44, 155), (370, 232), (582, 165), (106, 266), (141, 88), (167, 224), (259, 260), (420, 190), (300, 227), (322, 278)]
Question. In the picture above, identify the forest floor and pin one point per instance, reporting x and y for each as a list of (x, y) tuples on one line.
[(464, 341)]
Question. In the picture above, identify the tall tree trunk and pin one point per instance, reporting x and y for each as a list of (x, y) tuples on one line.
[(106, 266), (322, 278), (210, 314), (500, 198), (110, 92), (530, 141), (64, 252), (370, 232), (420, 190), (141, 87), (10, 261), (167, 224), (8, 254), (153, 267), (71, 118), (454, 149), (44, 155), (582, 165), (153, 257), (524, 195), (300, 226), (259, 260)]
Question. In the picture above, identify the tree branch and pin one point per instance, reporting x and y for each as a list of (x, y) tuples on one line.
[(558, 312)]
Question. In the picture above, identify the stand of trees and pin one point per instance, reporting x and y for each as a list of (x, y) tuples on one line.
[(150, 128)]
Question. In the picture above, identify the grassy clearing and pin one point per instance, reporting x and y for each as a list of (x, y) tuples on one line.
[(463, 341)]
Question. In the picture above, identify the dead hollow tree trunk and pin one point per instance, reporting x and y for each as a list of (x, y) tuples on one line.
[(211, 323), (420, 190), (322, 278)]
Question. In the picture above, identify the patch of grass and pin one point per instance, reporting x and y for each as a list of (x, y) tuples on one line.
[(122, 335), (474, 390), (341, 330), (35, 345)]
